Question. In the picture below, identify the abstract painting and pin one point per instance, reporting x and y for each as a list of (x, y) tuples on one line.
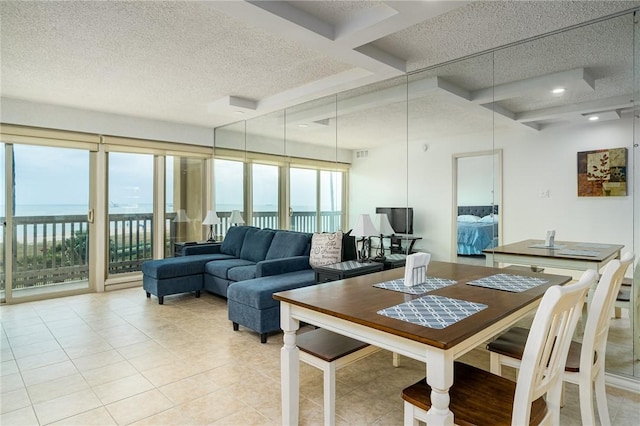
[(602, 173)]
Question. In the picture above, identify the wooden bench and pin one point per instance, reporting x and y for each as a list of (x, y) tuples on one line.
[(330, 352)]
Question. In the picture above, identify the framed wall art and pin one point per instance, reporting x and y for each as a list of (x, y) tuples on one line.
[(602, 173)]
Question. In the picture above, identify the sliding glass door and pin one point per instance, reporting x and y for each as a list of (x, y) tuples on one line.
[(303, 201), (45, 240), (265, 184), (130, 210)]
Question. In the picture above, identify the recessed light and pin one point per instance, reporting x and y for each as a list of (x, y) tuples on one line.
[(594, 118), (239, 112), (558, 90), (303, 125)]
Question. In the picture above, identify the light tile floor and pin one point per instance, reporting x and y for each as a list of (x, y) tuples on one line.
[(120, 358)]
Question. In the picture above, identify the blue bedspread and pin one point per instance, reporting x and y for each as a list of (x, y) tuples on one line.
[(473, 237)]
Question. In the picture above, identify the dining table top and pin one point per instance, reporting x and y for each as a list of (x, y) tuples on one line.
[(572, 250), (357, 300)]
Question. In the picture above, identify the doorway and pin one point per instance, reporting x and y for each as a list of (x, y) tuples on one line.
[(477, 209)]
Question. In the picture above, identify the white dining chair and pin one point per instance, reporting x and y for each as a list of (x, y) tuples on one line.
[(629, 298), (585, 362), (480, 397)]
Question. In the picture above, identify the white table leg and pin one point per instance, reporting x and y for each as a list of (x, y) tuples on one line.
[(488, 259), (440, 378), (289, 367), (330, 394)]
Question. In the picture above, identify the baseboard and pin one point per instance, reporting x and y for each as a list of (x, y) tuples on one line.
[(623, 382)]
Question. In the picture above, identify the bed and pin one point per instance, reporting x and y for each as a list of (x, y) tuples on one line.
[(477, 229)]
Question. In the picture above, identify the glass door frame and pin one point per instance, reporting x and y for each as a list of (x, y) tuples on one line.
[(9, 247)]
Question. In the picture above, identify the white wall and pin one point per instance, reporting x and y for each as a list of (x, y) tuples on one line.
[(13, 111), (475, 181), (26, 113), (533, 161)]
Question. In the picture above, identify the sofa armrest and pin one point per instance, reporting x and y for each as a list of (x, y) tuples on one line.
[(201, 249), (282, 266)]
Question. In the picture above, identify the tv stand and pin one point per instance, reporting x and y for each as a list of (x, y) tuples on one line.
[(397, 241)]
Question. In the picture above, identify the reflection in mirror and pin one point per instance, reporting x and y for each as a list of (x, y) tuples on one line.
[(228, 174), (265, 135), (477, 197), (442, 121), (372, 121), (314, 202), (546, 95)]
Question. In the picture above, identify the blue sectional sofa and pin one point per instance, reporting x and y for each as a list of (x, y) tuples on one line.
[(247, 268)]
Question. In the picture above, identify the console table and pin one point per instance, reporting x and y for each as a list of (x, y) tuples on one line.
[(178, 247), (342, 270), (397, 242)]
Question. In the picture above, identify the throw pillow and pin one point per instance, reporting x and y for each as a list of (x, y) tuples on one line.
[(325, 249)]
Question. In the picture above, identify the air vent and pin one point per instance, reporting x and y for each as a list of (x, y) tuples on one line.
[(362, 154)]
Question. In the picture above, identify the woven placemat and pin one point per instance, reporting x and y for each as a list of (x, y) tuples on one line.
[(507, 282), (433, 311), (432, 283)]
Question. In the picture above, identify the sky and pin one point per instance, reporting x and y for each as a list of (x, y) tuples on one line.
[(53, 176)]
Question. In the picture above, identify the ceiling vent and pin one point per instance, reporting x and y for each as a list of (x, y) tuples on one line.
[(362, 154)]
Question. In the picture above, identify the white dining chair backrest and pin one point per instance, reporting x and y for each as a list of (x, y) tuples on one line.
[(599, 316), (545, 352)]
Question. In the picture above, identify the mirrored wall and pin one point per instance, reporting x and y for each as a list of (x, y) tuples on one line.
[(501, 132)]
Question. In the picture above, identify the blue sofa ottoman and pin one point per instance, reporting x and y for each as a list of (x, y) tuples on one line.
[(251, 304), (175, 275)]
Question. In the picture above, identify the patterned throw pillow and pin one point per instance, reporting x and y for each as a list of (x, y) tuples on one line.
[(325, 249)]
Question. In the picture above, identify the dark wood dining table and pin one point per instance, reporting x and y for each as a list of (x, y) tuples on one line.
[(563, 255), (350, 307)]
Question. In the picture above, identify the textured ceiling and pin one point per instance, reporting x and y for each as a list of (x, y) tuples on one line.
[(203, 62)]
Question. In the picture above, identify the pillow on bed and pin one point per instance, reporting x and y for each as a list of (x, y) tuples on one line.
[(490, 219), (468, 218)]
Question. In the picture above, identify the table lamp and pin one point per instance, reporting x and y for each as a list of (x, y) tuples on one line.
[(364, 228), (236, 218), (384, 227), (181, 216), (211, 219)]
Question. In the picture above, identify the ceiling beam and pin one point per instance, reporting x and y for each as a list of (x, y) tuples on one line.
[(599, 105), (576, 79)]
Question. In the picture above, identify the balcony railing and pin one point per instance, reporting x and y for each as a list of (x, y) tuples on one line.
[(54, 249)]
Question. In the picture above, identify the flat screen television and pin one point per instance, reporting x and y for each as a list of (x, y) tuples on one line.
[(401, 218)]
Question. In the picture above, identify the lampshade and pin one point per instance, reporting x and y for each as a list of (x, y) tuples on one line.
[(364, 227), (382, 224), (211, 218), (236, 217), (181, 216)]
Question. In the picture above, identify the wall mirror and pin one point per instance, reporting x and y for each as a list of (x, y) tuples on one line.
[(504, 102), (477, 197), (557, 96), (413, 139)]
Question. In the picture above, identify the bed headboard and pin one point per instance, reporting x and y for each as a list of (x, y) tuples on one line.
[(477, 210)]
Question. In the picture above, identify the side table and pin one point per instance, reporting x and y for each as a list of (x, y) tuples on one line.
[(178, 247), (393, 261), (342, 270)]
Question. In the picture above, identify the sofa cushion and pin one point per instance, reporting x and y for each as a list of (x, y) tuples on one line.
[(232, 243), (242, 273), (258, 293), (289, 244), (178, 266), (220, 268), (256, 244), (326, 249)]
